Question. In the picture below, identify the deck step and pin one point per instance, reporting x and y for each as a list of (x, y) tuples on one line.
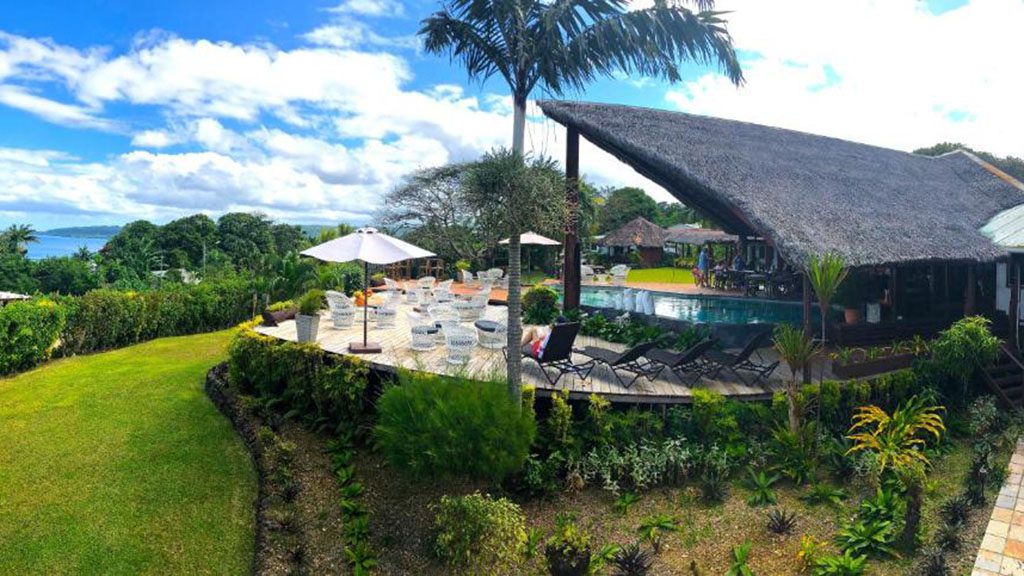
[(1006, 379)]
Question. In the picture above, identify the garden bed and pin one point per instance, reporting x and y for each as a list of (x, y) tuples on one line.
[(872, 367)]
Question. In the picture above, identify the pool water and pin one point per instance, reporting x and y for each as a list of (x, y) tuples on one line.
[(708, 309)]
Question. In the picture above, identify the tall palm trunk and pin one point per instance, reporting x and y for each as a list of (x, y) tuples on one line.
[(515, 322), (912, 520), (794, 416), (515, 325)]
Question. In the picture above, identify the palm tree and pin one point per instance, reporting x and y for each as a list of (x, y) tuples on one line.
[(796, 350), (898, 442), (826, 273), (17, 238), (563, 45)]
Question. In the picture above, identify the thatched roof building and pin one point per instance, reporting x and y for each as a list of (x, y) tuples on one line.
[(638, 232), (699, 236), (807, 194)]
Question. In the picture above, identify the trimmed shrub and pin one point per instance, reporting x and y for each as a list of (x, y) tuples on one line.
[(429, 426), (28, 332), (540, 305), (477, 534), (325, 389)]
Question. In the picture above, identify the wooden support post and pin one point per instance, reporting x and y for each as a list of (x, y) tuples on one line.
[(969, 292), (571, 246), (1013, 267)]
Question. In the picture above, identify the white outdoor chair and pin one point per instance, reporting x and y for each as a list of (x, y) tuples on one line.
[(486, 284), (460, 342), (426, 283), (443, 291), (491, 334), (498, 277), (619, 273), (343, 313), (424, 332), (412, 293), (586, 273), (392, 287), (467, 310), (467, 278)]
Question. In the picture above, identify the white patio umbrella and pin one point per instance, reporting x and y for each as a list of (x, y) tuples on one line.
[(534, 239), (371, 247)]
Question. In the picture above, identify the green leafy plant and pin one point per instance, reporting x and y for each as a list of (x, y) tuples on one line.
[(625, 501), (809, 552), (653, 528), (796, 350), (760, 485), (826, 273), (824, 494), (740, 557), (568, 550), (534, 537), (884, 506), (361, 558), (632, 560), (310, 303), (793, 452), (956, 509), (540, 305), (964, 348), (780, 521), (933, 563), (872, 538), (432, 426), (845, 564), (477, 534)]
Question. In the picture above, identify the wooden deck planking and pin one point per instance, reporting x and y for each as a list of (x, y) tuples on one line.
[(486, 363)]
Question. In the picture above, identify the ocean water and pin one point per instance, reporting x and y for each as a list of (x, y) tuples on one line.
[(61, 246)]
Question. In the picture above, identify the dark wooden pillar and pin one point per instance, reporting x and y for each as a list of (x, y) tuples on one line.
[(571, 246), (1013, 267), (969, 292), (808, 325)]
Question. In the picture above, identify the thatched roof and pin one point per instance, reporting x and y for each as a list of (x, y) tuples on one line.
[(638, 232), (698, 236), (808, 194)]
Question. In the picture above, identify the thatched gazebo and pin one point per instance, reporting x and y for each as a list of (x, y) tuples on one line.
[(640, 235), (910, 223)]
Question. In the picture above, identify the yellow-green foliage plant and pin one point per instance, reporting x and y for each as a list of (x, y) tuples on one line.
[(478, 534), (28, 332)]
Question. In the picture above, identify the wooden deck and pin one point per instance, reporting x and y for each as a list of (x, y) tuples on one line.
[(489, 364)]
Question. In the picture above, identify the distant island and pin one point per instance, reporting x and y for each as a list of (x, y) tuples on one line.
[(84, 232)]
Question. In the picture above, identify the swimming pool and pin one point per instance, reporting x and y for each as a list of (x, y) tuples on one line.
[(699, 309)]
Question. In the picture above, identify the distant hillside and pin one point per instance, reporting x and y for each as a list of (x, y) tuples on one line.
[(84, 231)]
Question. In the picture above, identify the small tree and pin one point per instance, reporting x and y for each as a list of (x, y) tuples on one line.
[(898, 441), (826, 274), (796, 350), (509, 193)]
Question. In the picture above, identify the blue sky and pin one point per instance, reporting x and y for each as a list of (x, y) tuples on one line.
[(310, 111)]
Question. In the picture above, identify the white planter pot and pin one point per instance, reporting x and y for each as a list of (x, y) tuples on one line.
[(306, 327)]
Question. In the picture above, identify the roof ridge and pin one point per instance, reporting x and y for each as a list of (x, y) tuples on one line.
[(993, 169)]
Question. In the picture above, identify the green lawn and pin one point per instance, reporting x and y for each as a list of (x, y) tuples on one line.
[(667, 275), (117, 463)]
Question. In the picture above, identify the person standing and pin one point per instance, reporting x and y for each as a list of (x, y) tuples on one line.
[(703, 265)]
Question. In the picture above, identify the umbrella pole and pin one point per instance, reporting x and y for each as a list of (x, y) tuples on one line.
[(366, 301)]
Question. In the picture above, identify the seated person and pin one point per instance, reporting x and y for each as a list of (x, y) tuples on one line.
[(535, 338), (738, 264)]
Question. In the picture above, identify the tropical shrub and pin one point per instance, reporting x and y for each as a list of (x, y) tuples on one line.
[(568, 550), (964, 348), (761, 493), (846, 564), (325, 390), (477, 534), (822, 493), (429, 426), (867, 537), (311, 302), (540, 305), (632, 560), (740, 557), (28, 332), (638, 466), (653, 528), (780, 521)]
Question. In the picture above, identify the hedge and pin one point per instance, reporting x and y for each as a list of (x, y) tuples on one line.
[(326, 389), (28, 332), (840, 399), (32, 331)]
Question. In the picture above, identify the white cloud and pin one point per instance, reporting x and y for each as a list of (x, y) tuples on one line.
[(51, 110), (379, 8), (153, 139), (906, 83)]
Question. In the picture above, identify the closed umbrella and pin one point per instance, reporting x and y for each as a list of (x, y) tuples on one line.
[(534, 239), (370, 247)]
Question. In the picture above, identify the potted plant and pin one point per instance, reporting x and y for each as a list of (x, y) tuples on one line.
[(852, 294), (307, 321)]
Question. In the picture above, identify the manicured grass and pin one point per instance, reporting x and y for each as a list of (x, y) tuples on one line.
[(666, 275), (117, 463)]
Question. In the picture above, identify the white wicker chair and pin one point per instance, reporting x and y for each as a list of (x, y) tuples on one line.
[(493, 339), (412, 293), (467, 278), (498, 277), (392, 287), (586, 273), (424, 332), (426, 283), (443, 291), (619, 273), (460, 342), (343, 313), (388, 313), (486, 284), (467, 310)]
